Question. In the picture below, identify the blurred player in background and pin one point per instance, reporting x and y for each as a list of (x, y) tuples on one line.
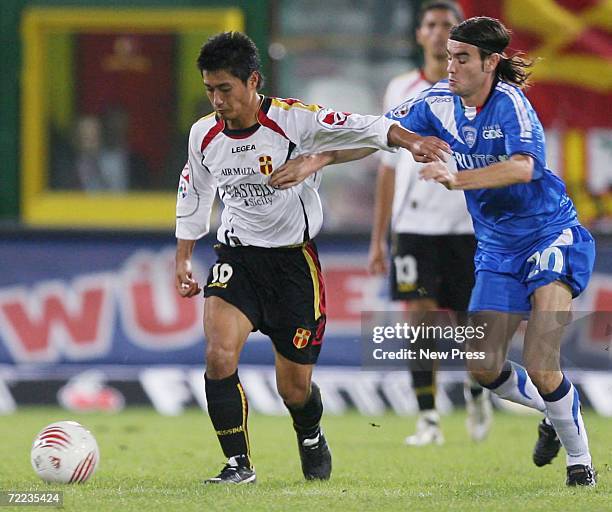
[(433, 243), (267, 276)]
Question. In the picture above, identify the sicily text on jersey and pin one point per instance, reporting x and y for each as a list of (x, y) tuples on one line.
[(509, 218), (238, 163)]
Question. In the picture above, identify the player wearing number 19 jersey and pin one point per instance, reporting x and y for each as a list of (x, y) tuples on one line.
[(267, 276), (533, 255)]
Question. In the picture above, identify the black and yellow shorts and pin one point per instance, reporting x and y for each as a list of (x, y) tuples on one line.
[(280, 290)]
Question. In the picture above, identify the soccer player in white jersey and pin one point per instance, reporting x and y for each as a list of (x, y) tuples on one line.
[(267, 276), (433, 243)]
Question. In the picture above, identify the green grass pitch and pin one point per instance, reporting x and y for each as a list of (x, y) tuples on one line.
[(150, 462)]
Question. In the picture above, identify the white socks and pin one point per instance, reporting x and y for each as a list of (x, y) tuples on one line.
[(517, 387), (563, 411)]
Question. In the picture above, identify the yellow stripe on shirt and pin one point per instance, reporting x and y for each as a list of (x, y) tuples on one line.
[(298, 104)]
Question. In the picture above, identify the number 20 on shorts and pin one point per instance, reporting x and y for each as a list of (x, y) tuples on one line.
[(542, 261)]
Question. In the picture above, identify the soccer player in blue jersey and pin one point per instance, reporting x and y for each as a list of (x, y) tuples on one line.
[(533, 255)]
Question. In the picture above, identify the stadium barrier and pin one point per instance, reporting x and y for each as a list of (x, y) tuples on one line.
[(93, 321)]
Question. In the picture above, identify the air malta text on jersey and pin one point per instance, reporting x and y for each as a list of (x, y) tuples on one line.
[(509, 218), (238, 164)]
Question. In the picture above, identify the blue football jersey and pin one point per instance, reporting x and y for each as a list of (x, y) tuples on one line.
[(509, 218)]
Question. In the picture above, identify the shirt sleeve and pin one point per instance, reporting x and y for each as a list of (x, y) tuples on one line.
[(523, 133), (196, 193), (414, 115), (326, 129), (387, 158)]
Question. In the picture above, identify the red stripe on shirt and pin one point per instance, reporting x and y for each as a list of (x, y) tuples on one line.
[(269, 123), (212, 133)]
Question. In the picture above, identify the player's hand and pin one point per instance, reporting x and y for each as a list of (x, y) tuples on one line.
[(439, 173), (186, 285), (430, 149), (293, 172), (378, 262)]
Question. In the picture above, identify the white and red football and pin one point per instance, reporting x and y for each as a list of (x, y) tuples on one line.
[(65, 452)]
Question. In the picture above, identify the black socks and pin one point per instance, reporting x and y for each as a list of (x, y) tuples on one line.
[(228, 411), (306, 418)]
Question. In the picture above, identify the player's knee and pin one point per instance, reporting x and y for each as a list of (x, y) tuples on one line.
[(423, 306), (486, 370), (485, 376), (294, 393), (220, 362)]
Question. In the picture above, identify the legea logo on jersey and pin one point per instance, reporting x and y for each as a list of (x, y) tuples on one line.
[(265, 165), (469, 135), (492, 132)]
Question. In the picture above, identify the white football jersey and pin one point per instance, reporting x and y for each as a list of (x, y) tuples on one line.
[(421, 207), (238, 164)]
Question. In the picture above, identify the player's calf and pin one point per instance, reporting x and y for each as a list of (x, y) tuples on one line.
[(563, 411), (228, 411), (314, 452), (514, 384)]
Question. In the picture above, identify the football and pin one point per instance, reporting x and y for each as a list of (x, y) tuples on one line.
[(65, 452)]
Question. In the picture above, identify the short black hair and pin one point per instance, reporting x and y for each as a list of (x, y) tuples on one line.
[(447, 5), (232, 51)]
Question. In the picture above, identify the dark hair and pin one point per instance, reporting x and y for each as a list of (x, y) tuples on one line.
[(447, 5), (491, 36), (232, 51)]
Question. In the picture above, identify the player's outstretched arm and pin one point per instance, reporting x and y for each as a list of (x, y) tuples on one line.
[(518, 169), (423, 149), (297, 170), (186, 285)]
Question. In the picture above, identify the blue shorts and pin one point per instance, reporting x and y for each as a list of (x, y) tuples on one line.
[(505, 281)]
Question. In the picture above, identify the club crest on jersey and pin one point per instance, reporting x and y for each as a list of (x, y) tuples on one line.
[(300, 340), (265, 165), (469, 135), (402, 110), (336, 118), (184, 182)]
